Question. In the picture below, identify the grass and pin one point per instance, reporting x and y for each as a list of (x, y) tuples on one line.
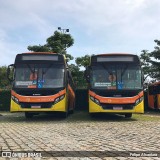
[(149, 116), (82, 116)]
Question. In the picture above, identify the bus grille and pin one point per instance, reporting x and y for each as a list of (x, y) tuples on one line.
[(36, 105), (118, 106)]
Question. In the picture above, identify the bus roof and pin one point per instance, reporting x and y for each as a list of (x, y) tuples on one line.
[(28, 57), (39, 53), (114, 58), (109, 54)]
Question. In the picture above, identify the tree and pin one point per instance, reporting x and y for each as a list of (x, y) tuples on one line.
[(78, 76), (145, 62), (83, 61), (4, 83), (38, 48), (155, 61), (74, 69), (57, 43)]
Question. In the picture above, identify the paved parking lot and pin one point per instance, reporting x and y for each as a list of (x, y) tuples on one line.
[(54, 136)]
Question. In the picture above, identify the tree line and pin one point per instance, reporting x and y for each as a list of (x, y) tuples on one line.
[(59, 42)]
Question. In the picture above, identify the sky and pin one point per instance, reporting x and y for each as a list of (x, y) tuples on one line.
[(97, 26)]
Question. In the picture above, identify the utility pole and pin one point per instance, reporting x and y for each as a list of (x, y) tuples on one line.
[(63, 31)]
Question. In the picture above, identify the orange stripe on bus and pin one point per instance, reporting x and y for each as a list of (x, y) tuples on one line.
[(141, 94), (37, 98), (115, 100), (91, 93)]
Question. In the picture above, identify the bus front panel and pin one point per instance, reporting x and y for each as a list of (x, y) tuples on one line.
[(116, 105), (116, 87), (57, 102)]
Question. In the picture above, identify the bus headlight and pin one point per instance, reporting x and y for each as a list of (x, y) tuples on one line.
[(61, 97), (95, 100), (92, 98), (58, 99), (139, 100), (15, 99)]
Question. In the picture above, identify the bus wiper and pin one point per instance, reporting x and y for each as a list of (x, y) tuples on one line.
[(44, 72), (105, 67), (126, 67), (33, 71)]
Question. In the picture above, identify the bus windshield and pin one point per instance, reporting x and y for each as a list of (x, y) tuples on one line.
[(39, 76), (112, 76)]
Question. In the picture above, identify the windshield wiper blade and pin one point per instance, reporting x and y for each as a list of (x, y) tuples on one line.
[(33, 71), (44, 72), (105, 67), (126, 67)]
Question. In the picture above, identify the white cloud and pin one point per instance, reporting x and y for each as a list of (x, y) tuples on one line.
[(97, 26)]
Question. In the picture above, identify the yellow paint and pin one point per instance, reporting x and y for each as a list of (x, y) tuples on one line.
[(60, 106), (95, 108)]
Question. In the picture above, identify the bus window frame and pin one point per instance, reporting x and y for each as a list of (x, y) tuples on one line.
[(12, 78), (70, 80)]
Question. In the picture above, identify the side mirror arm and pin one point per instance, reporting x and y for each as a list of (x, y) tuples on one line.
[(11, 79)]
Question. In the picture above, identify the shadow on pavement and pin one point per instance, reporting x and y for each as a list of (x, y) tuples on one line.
[(77, 116)]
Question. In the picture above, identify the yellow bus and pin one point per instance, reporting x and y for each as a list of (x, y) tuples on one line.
[(115, 84), (41, 82)]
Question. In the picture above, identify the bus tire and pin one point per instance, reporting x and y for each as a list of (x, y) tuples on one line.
[(64, 114), (93, 115), (28, 115), (128, 115), (72, 111)]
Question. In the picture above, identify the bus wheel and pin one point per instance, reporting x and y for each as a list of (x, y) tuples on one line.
[(93, 115), (28, 115), (128, 115), (64, 115), (72, 111)]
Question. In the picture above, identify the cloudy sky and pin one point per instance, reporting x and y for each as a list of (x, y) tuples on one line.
[(97, 26)]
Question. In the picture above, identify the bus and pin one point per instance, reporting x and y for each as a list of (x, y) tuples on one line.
[(41, 82), (154, 96), (115, 84)]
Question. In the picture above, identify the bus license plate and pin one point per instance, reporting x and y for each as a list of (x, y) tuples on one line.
[(117, 108), (35, 106)]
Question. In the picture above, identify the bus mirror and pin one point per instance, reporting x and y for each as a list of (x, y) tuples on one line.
[(68, 74), (87, 74), (10, 70)]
